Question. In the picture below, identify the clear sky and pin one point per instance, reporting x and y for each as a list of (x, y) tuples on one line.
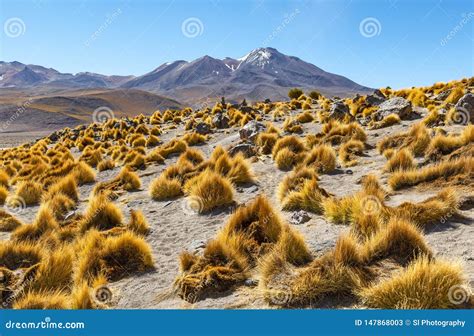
[(376, 43)]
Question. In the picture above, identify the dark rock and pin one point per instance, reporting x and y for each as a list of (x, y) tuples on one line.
[(443, 95), (299, 217), (248, 149), (197, 245), (54, 137), (350, 172), (397, 105), (375, 99), (251, 282), (247, 109), (251, 130), (203, 128), (464, 109), (338, 110), (220, 120)]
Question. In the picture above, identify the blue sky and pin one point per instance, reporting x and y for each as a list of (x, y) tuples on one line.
[(411, 43)]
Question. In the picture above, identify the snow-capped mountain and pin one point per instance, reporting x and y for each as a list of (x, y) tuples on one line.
[(262, 73)]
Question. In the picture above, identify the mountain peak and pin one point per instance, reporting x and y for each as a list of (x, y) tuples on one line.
[(260, 56)]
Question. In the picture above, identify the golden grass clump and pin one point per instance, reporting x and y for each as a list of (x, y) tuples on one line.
[(266, 141), (164, 188), (194, 139), (66, 186), (453, 172), (106, 165), (390, 120), (208, 191), (44, 223), (84, 173), (112, 257), (173, 147), (348, 150), (60, 205), (128, 179), (228, 259), (101, 214), (441, 144), (4, 178), (322, 158), (8, 222), (3, 194), (400, 240), (138, 223), (423, 284), (43, 300), (416, 140), (401, 160), (288, 151), (29, 192)]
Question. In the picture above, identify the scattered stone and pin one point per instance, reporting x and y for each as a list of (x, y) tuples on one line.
[(54, 137), (443, 95), (397, 105), (350, 172), (220, 120), (338, 110), (197, 245), (465, 109), (251, 282), (376, 98), (299, 217), (203, 128), (248, 149), (251, 130)]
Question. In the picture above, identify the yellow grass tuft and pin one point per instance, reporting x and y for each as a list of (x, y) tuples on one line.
[(401, 160), (424, 284), (163, 188), (208, 191), (138, 223), (101, 214)]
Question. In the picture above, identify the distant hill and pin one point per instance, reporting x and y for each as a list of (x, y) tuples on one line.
[(56, 110), (262, 73)]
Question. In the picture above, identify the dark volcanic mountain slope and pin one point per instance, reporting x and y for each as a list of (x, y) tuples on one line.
[(264, 68), (262, 73)]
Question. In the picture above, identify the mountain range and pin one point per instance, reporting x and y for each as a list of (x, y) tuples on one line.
[(263, 73)]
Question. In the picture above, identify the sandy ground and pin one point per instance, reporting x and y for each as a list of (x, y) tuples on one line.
[(174, 229)]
